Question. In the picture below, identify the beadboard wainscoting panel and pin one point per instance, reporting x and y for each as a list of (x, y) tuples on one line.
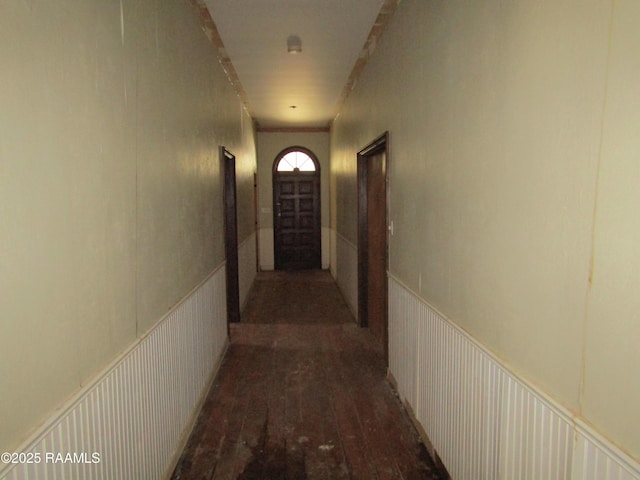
[(594, 458), (402, 345), (130, 421), (247, 266), (536, 438), (484, 422), (346, 271)]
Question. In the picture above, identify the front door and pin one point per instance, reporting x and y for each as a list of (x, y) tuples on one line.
[(296, 210)]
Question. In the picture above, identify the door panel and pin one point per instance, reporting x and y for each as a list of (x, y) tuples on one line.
[(376, 237), (231, 235), (297, 230)]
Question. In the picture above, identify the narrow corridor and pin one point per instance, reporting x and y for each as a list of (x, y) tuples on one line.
[(302, 394)]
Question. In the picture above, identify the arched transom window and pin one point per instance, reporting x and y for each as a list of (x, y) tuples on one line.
[(296, 161)]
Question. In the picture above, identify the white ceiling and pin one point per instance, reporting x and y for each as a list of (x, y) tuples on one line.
[(254, 33)]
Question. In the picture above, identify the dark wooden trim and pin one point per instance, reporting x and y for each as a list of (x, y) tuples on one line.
[(255, 219), (228, 167), (380, 144), (384, 16), (363, 243), (211, 31)]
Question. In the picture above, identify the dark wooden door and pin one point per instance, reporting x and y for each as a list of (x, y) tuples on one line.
[(373, 240), (230, 235), (376, 238), (296, 220)]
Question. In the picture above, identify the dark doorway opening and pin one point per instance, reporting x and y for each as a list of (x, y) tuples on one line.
[(228, 164), (296, 210), (373, 239)]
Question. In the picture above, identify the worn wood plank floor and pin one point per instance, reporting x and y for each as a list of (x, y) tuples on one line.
[(302, 394)]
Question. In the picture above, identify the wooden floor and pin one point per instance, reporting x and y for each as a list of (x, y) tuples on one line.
[(302, 394)]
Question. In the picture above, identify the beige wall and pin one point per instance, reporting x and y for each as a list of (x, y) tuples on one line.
[(269, 145), (612, 354), (513, 180), (110, 193)]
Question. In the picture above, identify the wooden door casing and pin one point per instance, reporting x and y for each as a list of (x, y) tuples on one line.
[(230, 235), (373, 239)]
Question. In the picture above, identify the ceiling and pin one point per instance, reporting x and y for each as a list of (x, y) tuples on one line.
[(336, 36)]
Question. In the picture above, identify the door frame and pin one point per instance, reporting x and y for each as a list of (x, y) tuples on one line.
[(380, 144), (228, 167), (317, 176)]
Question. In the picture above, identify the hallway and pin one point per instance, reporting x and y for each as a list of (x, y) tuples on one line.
[(302, 393)]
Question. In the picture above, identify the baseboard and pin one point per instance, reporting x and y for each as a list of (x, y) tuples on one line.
[(442, 470)]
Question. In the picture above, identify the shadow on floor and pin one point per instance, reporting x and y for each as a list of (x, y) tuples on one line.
[(296, 297)]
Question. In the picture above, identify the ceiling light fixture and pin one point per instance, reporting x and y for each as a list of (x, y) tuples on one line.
[(294, 44)]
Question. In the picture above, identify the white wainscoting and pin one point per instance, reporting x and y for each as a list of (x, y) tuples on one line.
[(345, 271), (326, 248), (247, 267), (484, 422), (267, 261), (135, 414), (333, 238)]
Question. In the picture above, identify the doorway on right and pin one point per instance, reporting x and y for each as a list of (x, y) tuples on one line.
[(373, 238)]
